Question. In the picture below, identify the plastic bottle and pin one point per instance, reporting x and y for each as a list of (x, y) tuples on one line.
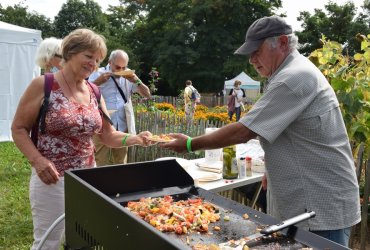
[(230, 166), (248, 163), (242, 168)]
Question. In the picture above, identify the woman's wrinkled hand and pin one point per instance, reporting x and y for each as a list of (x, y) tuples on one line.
[(46, 170), (178, 145), (144, 136)]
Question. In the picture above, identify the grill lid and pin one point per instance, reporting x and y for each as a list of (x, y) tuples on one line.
[(140, 177)]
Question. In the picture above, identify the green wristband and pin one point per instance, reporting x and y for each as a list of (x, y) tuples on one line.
[(188, 144), (125, 139), (138, 82)]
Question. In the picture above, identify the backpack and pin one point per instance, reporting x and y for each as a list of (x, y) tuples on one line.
[(195, 96), (40, 122)]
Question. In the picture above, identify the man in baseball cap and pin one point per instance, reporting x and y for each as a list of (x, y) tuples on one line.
[(301, 130), (260, 30)]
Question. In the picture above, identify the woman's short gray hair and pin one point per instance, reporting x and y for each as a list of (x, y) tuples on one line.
[(47, 49), (292, 40)]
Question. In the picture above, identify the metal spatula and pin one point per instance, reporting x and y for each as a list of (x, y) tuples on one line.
[(268, 230)]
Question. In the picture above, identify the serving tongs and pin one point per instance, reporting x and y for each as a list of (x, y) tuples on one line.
[(238, 245)]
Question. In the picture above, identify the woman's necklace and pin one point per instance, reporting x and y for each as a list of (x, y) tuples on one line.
[(69, 88)]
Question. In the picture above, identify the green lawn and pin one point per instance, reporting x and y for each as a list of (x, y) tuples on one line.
[(15, 214)]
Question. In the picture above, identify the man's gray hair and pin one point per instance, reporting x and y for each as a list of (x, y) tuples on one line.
[(117, 53), (292, 41)]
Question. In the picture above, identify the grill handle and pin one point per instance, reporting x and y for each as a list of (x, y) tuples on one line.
[(274, 228)]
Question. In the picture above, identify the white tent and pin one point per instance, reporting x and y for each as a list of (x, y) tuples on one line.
[(18, 47), (251, 87)]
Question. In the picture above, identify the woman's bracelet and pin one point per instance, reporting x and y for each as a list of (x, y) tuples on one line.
[(125, 139), (188, 144), (138, 82)]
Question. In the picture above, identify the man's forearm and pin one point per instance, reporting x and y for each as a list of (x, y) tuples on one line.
[(143, 90), (231, 134)]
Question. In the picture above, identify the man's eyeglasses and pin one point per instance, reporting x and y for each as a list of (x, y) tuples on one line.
[(119, 67)]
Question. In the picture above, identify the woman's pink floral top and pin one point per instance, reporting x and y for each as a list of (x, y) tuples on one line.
[(67, 140)]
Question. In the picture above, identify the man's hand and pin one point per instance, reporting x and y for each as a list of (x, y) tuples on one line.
[(264, 182), (102, 78), (178, 145)]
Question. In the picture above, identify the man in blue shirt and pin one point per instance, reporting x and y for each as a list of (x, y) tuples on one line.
[(109, 83)]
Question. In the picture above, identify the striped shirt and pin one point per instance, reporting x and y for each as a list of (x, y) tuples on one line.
[(307, 153)]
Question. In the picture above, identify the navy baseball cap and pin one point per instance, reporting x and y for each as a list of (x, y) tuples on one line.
[(260, 30)]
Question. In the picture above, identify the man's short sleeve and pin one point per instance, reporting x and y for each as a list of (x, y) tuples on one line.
[(274, 112)]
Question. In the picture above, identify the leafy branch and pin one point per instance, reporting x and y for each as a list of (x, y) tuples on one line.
[(349, 77)]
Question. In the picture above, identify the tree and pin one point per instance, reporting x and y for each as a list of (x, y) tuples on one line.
[(190, 39), (120, 23), (18, 15), (340, 24), (193, 39), (79, 14), (349, 77)]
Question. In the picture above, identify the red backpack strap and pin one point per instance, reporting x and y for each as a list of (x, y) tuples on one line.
[(97, 93)]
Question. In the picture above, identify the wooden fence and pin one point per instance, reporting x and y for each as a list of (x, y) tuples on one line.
[(160, 123), (206, 100)]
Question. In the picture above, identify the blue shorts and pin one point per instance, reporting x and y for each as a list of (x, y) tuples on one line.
[(340, 236)]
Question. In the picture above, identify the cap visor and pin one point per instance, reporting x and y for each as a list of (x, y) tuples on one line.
[(248, 47)]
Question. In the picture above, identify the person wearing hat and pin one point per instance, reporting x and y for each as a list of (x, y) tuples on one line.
[(301, 129)]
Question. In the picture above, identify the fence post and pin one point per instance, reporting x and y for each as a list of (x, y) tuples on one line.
[(365, 206)]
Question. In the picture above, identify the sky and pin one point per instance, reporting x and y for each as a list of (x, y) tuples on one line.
[(291, 8)]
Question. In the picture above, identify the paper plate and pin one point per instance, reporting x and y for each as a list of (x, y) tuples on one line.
[(156, 139), (124, 72), (208, 177), (259, 168)]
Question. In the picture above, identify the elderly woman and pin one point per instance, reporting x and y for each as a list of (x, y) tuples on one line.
[(71, 121), (49, 55)]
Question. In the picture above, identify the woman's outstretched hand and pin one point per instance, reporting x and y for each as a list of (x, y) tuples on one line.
[(144, 136)]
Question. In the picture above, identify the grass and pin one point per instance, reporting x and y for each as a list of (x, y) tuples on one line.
[(15, 214)]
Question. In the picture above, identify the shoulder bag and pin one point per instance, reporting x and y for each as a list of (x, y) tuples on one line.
[(231, 103), (128, 109)]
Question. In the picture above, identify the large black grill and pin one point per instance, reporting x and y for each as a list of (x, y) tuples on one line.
[(97, 219)]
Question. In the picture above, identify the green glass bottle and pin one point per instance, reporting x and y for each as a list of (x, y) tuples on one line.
[(230, 166)]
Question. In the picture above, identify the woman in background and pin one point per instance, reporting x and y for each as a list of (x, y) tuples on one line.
[(49, 55), (237, 94)]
